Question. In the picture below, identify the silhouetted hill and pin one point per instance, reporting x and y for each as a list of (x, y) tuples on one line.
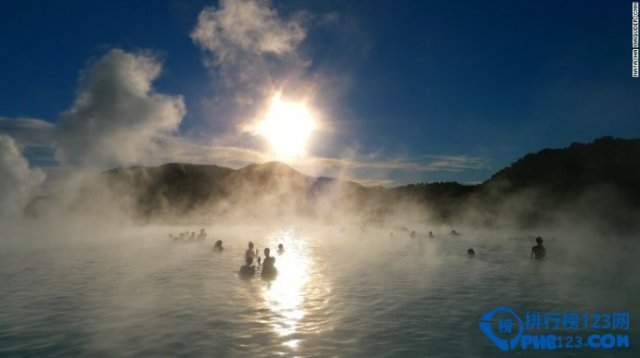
[(593, 181), (272, 188), (570, 171), (181, 187), (598, 181)]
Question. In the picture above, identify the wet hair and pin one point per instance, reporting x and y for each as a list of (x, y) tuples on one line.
[(471, 252), (219, 243), (539, 240)]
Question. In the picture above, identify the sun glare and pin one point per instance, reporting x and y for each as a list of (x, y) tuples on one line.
[(287, 127)]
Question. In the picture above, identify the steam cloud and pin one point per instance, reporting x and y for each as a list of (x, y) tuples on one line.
[(251, 47), (28, 131), (240, 27), (117, 118), (17, 180)]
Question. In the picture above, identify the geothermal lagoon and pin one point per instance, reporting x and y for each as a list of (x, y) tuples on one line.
[(341, 290)]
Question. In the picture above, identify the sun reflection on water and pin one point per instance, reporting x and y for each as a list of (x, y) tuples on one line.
[(285, 296)]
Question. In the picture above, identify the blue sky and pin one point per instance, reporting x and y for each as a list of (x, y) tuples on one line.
[(406, 91)]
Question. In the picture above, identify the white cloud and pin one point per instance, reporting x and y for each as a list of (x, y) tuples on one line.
[(17, 180), (252, 52), (455, 163), (368, 170), (241, 27), (374, 182), (117, 118), (28, 131), (437, 163), (182, 150)]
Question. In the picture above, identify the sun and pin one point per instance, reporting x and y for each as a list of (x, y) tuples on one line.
[(287, 126)]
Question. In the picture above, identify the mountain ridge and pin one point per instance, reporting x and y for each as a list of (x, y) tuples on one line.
[(586, 179)]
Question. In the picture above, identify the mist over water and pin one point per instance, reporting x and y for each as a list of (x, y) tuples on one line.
[(341, 290)]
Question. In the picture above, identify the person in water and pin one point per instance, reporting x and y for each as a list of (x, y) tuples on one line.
[(538, 252), (247, 270), (431, 234), (218, 246), (471, 252), (202, 235), (269, 270), (250, 251), (280, 249)]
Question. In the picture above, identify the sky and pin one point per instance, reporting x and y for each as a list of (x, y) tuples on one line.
[(400, 91)]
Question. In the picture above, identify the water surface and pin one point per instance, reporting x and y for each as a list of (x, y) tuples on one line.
[(340, 292)]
